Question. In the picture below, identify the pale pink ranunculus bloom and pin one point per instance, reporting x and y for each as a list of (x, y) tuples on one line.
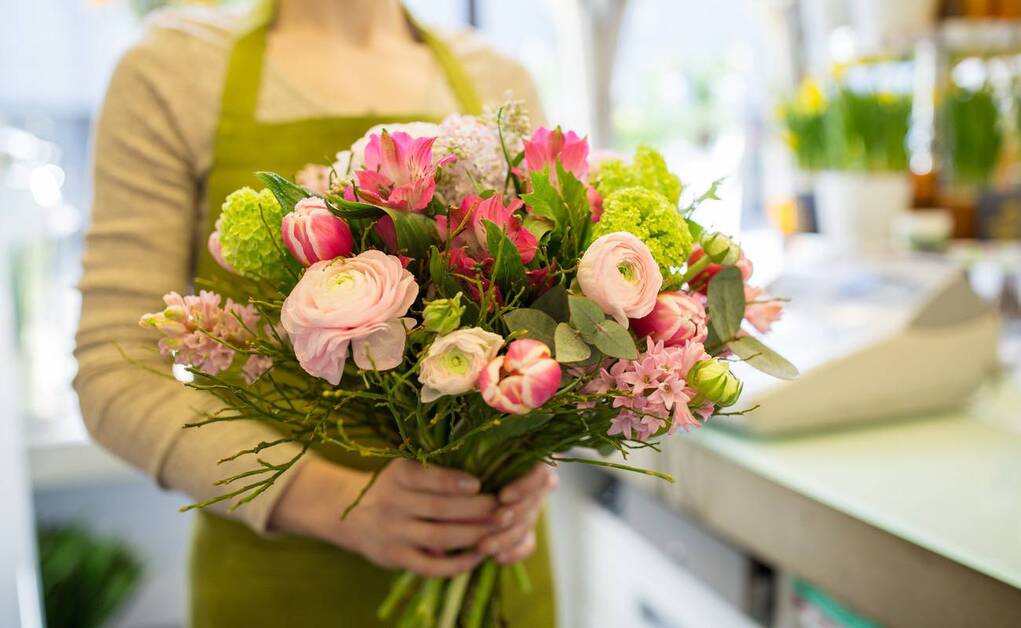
[(356, 301), (761, 310), (546, 146), (313, 234), (619, 273), (677, 318), (399, 171), (522, 380), (216, 248), (453, 363)]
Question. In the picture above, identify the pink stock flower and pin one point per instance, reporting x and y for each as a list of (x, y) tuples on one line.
[(677, 318), (196, 330), (655, 393), (216, 249), (619, 273), (313, 234), (522, 380), (255, 367), (358, 301), (760, 309), (314, 178), (399, 171), (546, 146)]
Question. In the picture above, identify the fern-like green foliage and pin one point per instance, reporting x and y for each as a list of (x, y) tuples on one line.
[(86, 579)]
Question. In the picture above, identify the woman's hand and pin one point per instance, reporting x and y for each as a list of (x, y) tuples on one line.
[(414, 514), (521, 503)]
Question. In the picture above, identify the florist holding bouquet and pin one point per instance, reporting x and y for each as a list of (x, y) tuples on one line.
[(202, 102)]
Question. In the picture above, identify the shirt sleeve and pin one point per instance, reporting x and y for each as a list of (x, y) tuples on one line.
[(141, 245)]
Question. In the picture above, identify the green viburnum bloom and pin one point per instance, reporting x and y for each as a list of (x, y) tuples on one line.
[(652, 219), (713, 380), (255, 251), (648, 170)]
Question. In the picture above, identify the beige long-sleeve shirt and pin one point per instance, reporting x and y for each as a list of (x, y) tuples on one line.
[(153, 149)]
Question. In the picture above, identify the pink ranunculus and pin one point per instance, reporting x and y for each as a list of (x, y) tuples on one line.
[(761, 310), (358, 301), (313, 234), (677, 318), (546, 146), (314, 178), (522, 380), (453, 363), (399, 171), (216, 249), (619, 273)]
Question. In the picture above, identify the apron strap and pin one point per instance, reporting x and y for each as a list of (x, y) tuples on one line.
[(244, 68)]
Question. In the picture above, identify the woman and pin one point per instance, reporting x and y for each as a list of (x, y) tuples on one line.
[(192, 111)]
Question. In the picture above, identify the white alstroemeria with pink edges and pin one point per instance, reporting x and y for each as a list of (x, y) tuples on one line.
[(476, 294)]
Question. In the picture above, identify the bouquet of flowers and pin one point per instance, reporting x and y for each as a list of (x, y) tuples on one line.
[(472, 294)]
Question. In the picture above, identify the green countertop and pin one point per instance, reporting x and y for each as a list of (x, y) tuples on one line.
[(948, 483)]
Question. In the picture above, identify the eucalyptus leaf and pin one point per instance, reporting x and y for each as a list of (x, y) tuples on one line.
[(586, 315), (569, 346), (536, 323), (752, 351), (614, 340), (554, 303), (726, 302)]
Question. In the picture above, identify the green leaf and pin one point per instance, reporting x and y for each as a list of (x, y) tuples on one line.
[(570, 347), (545, 201), (537, 226), (726, 302), (507, 266), (287, 194), (536, 323), (585, 315), (612, 339), (415, 233), (514, 426), (446, 285), (343, 208), (554, 303), (695, 229), (752, 351)]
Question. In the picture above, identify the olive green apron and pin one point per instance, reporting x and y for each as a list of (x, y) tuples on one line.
[(241, 579)]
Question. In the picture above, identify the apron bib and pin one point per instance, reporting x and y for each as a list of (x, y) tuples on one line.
[(237, 577)]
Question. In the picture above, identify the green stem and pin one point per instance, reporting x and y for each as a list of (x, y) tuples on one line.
[(694, 269), (481, 594), (521, 577), (453, 599), (429, 597), (616, 465), (397, 591)]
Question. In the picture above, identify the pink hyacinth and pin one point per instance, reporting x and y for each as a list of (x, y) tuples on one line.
[(313, 234), (677, 318), (399, 171), (761, 310), (656, 394), (196, 330), (546, 146), (522, 380)]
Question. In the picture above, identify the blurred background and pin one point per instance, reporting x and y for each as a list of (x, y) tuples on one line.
[(871, 151)]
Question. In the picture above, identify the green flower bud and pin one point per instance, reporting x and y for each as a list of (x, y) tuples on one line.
[(713, 380), (443, 316), (720, 249)]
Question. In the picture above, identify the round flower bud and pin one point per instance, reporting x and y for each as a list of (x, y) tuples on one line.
[(443, 316), (720, 249), (713, 380)]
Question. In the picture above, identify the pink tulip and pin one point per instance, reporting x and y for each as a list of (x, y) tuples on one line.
[(313, 234), (522, 380), (547, 146), (399, 171), (676, 319)]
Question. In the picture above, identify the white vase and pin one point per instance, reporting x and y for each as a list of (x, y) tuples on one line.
[(856, 211), (880, 23)]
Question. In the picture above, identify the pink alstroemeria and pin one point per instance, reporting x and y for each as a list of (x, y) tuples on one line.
[(546, 146), (761, 310), (466, 225), (313, 234), (399, 171), (522, 380)]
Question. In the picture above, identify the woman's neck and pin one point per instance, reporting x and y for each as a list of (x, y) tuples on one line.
[(360, 22)]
